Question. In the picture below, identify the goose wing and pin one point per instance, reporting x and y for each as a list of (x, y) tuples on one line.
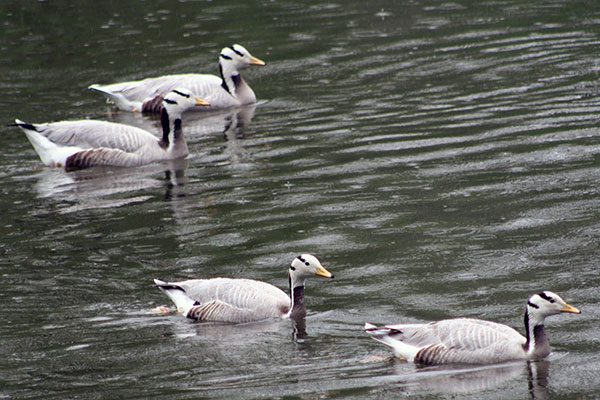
[(232, 300), (96, 134)]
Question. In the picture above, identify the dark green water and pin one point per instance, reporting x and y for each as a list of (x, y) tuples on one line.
[(442, 159)]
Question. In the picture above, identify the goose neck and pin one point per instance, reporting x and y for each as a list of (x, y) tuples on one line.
[(298, 308), (172, 132), (230, 77), (536, 345), (166, 128)]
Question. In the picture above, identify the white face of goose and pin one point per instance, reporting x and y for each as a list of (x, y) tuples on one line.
[(306, 265), (546, 303), (239, 57), (179, 100)]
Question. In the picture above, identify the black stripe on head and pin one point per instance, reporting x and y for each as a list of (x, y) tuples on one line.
[(180, 93), (530, 304), (169, 101), (239, 53), (225, 56), (302, 259), (544, 296)]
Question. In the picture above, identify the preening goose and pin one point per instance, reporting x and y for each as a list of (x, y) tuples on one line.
[(243, 300), (227, 90), (474, 341), (87, 143)]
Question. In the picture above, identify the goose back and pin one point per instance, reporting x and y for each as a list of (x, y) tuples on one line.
[(139, 94)]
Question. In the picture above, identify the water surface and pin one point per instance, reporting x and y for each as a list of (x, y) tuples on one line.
[(440, 158)]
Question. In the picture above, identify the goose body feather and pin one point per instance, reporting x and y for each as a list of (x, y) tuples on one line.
[(238, 300), (473, 341)]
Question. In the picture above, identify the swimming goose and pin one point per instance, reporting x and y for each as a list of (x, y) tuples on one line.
[(228, 90), (243, 300), (474, 341), (87, 143)]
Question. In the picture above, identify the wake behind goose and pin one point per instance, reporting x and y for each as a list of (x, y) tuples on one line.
[(244, 300), (474, 341), (87, 143), (227, 90)]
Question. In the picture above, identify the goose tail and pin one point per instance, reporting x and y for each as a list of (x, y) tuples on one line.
[(24, 125), (177, 295), (115, 97), (383, 335), (50, 153)]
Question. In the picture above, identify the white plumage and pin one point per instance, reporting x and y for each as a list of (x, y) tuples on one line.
[(474, 341), (227, 90), (243, 300), (87, 143)]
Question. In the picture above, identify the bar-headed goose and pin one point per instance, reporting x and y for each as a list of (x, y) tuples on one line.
[(474, 341), (227, 90), (243, 300), (87, 143)]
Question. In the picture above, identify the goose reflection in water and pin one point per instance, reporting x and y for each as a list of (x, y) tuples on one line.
[(457, 379), (107, 187), (242, 334)]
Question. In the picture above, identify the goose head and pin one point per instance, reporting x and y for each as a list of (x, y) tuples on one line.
[(305, 266), (174, 104), (231, 61), (545, 304), (238, 57), (179, 100)]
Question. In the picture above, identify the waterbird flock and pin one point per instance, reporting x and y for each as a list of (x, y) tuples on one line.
[(86, 143)]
